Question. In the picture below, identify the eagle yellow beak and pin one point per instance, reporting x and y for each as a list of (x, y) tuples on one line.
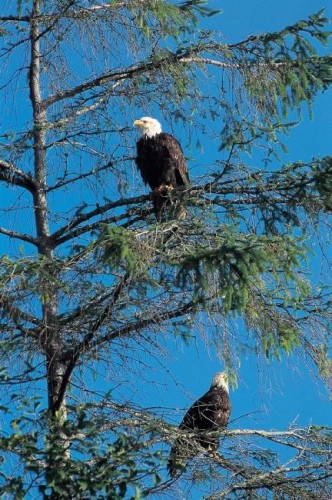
[(138, 123)]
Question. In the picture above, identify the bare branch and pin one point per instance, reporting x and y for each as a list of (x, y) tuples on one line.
[(13, 175), (15, 19), (17, 315), (84, 345), (93, 172), (144, 323), (57, 236), (282, 478), (19, 236), (208, 61)]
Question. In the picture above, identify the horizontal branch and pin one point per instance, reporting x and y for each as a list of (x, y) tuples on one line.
[(254, 195), (185, 56), (9, 173), (281, 479), (291, 478), (19, 236), (93, 172), (17, 315), (124, 74), (143, 323), (14, 19), (57, 236), (208, 61)]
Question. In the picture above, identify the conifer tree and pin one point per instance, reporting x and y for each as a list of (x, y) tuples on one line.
[(91, 283)]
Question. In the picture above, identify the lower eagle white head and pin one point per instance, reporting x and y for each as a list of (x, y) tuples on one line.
[(220, 380), (149, 126)]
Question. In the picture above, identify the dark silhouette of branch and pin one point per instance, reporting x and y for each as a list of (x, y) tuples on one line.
[(14, 19), (17, 315), (19, 236), (58, 238), (9, 173), (94, 172), (84, 345), (87, 343), (143, 323)]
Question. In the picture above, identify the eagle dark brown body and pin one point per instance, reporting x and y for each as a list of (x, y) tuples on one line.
[(161, 163), (209, 413)]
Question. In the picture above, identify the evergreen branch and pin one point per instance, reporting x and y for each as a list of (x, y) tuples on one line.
[(185, 56), (255, 195), (125, 74)]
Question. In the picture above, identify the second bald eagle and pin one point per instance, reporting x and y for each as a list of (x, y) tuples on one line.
[(209, 413), (161, 163)]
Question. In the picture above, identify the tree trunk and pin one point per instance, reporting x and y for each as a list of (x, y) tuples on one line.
[(50, 336)]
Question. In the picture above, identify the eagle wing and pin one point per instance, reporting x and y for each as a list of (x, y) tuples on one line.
[(174, 162), (210, 411)]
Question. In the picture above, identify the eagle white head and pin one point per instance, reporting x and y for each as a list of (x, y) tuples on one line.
[(220, 380), (149, 126)]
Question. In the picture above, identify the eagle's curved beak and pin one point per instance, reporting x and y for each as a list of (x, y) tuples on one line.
[(137, 123)]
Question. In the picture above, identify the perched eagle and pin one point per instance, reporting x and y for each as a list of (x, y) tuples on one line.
[(208, 413), (161, 162)]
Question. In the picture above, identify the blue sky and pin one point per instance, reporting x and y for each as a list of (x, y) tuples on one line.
[(270, 395), (288, 389)]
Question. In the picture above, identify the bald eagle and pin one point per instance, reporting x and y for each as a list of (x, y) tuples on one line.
[(209, 413), (161, 163)]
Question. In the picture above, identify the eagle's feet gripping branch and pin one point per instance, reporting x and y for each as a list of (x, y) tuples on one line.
[(162, 199)]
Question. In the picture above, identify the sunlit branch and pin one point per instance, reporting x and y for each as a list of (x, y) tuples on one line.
[(282, 478), (208, 61), (83, 110)]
